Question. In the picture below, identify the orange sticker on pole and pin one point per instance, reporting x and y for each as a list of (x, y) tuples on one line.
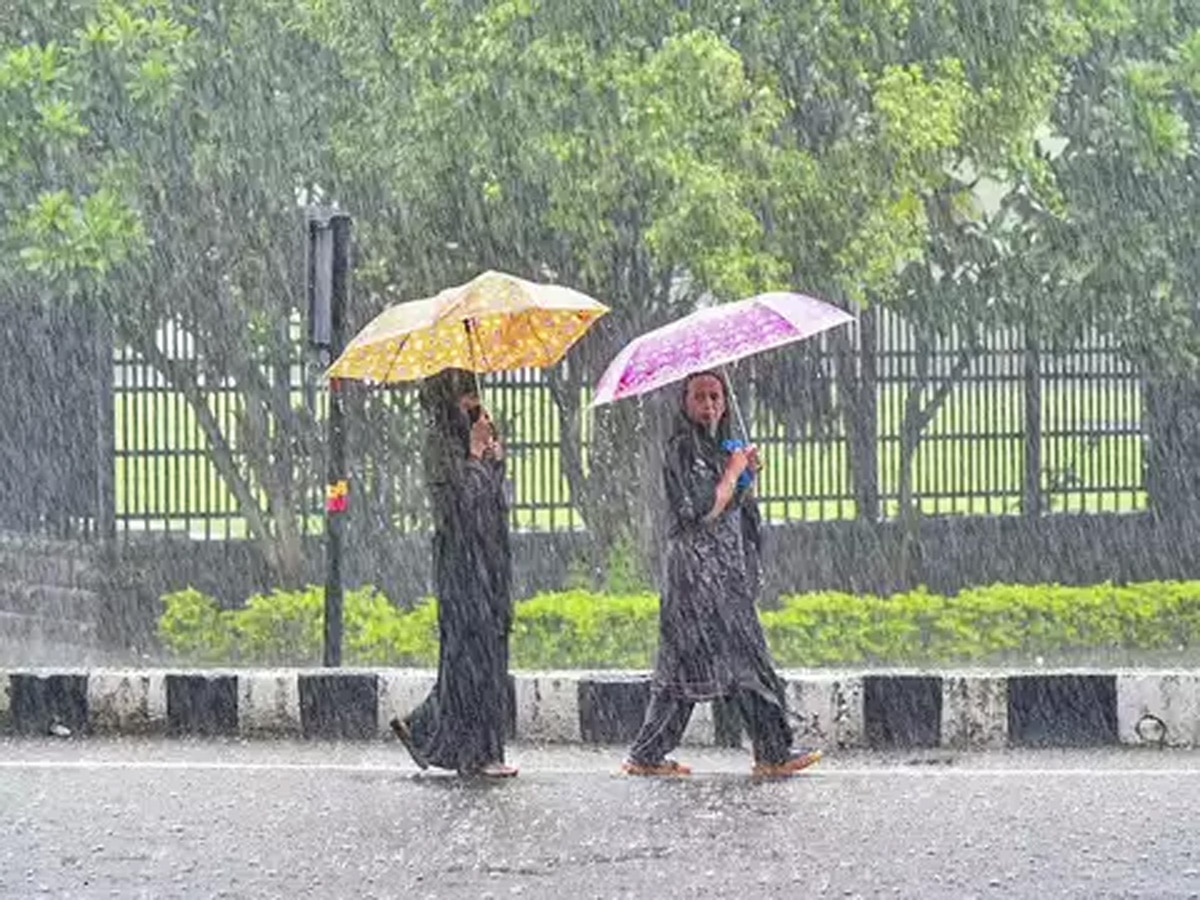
[(336, 496)]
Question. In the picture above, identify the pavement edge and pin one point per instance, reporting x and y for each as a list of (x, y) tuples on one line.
[(962, 710)]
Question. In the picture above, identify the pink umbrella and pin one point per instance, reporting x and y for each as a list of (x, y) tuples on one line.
[(713, 337)]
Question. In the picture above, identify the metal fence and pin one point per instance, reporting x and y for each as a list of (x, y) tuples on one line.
[(1016, 430), (1019, 429)]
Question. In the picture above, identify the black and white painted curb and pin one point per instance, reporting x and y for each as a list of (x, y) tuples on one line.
[(876, 710)]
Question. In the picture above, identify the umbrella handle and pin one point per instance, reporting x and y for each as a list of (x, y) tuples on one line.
[(474, 367), (737, 409), (747, 477)]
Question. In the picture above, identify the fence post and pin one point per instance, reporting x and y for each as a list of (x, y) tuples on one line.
[(106, 450), (1031, 495), (867, 415)]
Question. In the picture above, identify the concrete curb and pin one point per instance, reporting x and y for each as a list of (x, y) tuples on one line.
[(875, 710)]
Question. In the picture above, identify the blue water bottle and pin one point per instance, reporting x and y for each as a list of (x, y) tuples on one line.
[(729, 445)]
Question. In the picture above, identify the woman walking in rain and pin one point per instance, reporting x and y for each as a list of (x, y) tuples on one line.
[(461, 724), (711, 643)]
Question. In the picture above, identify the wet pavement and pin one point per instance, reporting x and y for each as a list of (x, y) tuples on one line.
[(151, 818)]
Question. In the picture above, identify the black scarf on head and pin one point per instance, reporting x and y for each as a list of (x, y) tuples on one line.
[(710, 446), (448, 428)]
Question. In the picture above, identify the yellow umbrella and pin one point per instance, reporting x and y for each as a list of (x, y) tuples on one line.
[(493, 323)]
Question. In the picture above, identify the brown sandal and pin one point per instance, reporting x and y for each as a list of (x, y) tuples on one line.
[(798, 761), (667, 767)]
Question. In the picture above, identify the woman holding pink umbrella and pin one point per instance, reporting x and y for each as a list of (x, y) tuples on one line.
[(711, 644)]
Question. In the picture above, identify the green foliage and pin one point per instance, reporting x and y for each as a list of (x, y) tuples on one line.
[(68, 235), (582, 630), (193, 627), (994, 623), (151, 162), (579, 629), (285, 627), (624, 571), (69, 207), (154, 154)]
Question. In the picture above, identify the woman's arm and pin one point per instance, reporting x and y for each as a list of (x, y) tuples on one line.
[(694, 492), (727, 487)]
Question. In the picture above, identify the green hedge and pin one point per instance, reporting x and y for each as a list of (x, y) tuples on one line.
[(578, 629)]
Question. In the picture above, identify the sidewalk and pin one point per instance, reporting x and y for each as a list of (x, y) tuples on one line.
[(877, 710)]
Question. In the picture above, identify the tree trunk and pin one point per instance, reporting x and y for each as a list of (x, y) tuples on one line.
[(281, 547), (1172, 447), (1031, 493), (858, 385), (917, 417), (566, 393)]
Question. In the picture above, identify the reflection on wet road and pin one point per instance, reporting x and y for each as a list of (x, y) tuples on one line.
[(209, 819)]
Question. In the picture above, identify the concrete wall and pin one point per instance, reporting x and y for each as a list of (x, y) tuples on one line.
[(944, 554)]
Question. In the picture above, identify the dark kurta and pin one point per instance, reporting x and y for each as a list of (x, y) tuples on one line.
[(711, 643), (461, 724)]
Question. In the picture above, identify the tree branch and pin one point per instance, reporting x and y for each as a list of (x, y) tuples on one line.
[(924, 415), (222, 454)]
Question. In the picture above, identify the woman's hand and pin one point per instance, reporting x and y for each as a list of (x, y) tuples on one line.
[(495, 449), (736, 464), (755, 462), (483, 436)]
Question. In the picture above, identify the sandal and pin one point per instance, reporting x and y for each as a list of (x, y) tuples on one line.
[(664, 767), (797, 761)]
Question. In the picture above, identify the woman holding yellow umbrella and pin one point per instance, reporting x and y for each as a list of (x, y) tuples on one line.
[(461, 724), (493, 323)]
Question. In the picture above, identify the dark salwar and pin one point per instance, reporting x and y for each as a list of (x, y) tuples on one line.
[(711, 644), (461, 724)]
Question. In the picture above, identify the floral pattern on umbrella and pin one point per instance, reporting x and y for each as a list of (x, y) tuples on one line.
[(493, 323), (713, 337)]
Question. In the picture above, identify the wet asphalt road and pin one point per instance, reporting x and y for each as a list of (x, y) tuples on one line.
[(169, 819)]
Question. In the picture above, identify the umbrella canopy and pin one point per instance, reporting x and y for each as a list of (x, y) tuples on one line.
[(493, 323), (712, 337)]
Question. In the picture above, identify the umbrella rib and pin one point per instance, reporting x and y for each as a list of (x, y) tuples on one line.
[(537, 336), (472, 339), (400, 342)]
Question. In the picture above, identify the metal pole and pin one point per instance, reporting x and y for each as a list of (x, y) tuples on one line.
[(737, 409), (337, 495)]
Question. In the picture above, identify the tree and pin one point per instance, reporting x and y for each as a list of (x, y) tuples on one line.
[(617, 149), (657, 153), (1126, 220), (904, 112), (897, 110), (147, 173)]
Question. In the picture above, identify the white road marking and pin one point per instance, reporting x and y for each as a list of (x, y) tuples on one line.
[(899, 771)]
